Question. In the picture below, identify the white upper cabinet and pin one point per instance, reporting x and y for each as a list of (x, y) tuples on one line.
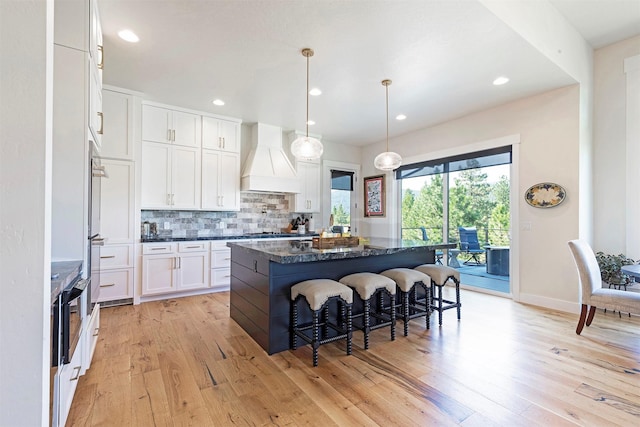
[(72, 24), (170, 126), (220, 181), (218, 134), (96, 116), (117, 137), (309, 199), (170, 177)]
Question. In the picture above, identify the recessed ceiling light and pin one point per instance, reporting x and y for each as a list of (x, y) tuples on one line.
[(129, 36), (218, 102), (311, 123), (500, 80), (315, 92), (401, 117)]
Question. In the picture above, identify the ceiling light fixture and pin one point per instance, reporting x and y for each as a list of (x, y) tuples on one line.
[(401, 117), (388, 160), (500, 80), (315, 92), (129, 36), (304, 147), (218, 102)]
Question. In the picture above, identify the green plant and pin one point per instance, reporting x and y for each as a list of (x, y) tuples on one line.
[(610, 268)]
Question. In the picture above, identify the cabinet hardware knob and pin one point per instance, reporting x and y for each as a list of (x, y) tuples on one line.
[(173, 135), (192, 247), (101, 129), (108, 285), (107, 256), (168, 134), (159, 248)]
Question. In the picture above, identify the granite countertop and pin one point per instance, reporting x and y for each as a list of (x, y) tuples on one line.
[(62, 274), (166, 238), (295, 252)]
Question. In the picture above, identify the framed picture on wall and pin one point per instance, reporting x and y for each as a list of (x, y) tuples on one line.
[(374, 200)]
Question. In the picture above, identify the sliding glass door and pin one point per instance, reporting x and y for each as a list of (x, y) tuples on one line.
[(463, 200)]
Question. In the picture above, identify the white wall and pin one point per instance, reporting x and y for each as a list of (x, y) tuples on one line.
[(610, 168), (26, 71), (549, 126)]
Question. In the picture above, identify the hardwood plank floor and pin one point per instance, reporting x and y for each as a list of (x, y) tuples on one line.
[(185, 362)]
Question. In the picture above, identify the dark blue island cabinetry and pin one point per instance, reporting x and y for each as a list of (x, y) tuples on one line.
[(262, 274)]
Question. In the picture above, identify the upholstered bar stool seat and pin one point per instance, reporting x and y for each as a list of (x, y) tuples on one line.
[(366, 286), (440, 274), (407, 281), (319, 293)]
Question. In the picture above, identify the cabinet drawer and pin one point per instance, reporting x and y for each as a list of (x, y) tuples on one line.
[(116, 284), (193, 246), (116, 257), (158, 248), (221, 259), (217, 245), (220, 277)]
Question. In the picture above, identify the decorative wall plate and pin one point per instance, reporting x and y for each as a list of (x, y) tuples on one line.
[(545, 195)]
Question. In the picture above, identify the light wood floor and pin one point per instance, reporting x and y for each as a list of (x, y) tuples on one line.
[(185, 362)]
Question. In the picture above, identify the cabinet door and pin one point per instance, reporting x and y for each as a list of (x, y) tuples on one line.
[(117, 137), (186, 129), (185, 178), (229, 181), (309, 199), (211, 134), (68, 382), (230, 136), (156, 124), (158, 274), (210, 182), (193, 271), (117, 202), (156, 170), (96, 122)]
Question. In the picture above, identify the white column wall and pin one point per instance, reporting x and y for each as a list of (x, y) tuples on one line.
[(26, 73)]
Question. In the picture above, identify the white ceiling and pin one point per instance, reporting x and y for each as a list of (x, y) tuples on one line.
[(441, 55)]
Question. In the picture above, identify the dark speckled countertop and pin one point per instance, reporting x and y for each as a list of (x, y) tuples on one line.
[(289, 252), (168, 238)]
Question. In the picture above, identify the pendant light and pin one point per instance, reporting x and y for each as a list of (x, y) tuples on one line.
[(305, 147), (388, 160)]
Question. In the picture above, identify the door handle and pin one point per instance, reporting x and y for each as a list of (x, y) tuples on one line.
[(101, 54), (108, 285), (101, 129), (107, 256)]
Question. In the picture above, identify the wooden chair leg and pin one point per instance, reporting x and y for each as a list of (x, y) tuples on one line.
[(592, 312), (583, 316)]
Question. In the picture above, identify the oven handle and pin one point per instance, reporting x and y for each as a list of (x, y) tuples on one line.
[(78, 289)]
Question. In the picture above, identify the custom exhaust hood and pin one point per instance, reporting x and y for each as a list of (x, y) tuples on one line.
[(268, 168)]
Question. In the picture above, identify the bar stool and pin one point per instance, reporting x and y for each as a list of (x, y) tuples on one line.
[(440, 274), (410, 307), (318, 293), (366, 286)]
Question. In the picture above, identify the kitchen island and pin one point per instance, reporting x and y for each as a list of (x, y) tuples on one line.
[(262, 274)]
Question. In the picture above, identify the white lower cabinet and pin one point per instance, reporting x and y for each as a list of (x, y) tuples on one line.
[(68, 376), (175, 267), (220, 264), (116, 284)]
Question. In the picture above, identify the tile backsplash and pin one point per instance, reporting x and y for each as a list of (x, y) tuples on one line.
[(259, 212)]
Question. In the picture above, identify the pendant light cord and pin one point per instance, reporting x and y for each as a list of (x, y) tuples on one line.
[(307, 122), (386, 87)]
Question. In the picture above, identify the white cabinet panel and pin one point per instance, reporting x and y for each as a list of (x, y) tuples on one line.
[(116, 256), (221, 278), (309, 199), (185, 178), (193, 271), (218, 134), (117, 202), (221, 259), (68, 382), (158, 274), (220, 180), (170, 127), (116, 284), (117, 136)]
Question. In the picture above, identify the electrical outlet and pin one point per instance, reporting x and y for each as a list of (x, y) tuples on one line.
[(167, 225)]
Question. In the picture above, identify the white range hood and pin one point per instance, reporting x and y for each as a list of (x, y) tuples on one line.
[(268, 168)]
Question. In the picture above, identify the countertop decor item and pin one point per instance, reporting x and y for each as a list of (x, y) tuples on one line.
[(388, 160), (305, 147), (545, 195)]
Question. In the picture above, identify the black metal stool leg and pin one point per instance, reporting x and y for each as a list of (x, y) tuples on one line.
[(316, 339), (294, 325)]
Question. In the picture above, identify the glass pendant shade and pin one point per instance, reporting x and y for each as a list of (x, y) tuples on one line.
[(306, 148), (387, 161)]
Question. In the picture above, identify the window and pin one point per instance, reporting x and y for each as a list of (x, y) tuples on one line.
[(341, 189)]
